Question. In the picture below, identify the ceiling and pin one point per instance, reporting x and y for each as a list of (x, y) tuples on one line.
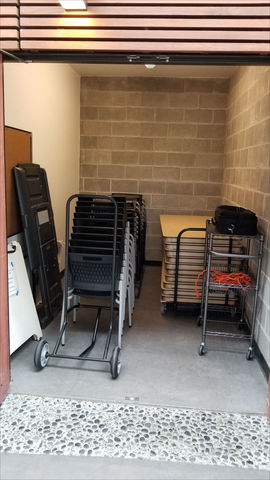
[(190, 71)]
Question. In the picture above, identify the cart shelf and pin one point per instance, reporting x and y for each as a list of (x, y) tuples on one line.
[(227, 287)]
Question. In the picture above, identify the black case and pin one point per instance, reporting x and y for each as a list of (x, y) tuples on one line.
[(233, 220), (39, 231)]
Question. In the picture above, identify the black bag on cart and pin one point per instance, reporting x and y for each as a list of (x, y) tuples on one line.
[(233, 220)]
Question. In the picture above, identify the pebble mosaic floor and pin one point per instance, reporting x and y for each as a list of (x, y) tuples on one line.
[(57, 426)]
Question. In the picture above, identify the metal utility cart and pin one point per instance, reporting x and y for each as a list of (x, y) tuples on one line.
[(247, 261), (93, 266), (182, 259)]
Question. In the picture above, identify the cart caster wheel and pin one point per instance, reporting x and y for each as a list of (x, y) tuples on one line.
[(249, 355), (199, 321), (36, 338), (202, 350), (115, 362), (41, 355), (163, 308)]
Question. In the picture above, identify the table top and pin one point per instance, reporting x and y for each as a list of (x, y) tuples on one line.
[(171, 225)]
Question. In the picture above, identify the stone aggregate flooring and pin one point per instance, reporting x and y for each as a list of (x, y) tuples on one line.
[(61, 426)]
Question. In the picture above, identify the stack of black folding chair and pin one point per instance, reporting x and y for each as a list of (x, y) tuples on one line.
[(96, 247), (136, 215)]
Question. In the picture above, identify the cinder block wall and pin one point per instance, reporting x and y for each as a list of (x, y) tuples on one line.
[(162, 137), (247, 168)]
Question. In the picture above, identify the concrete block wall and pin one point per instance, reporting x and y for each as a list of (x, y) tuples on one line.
[(162, 137), (247, 168)]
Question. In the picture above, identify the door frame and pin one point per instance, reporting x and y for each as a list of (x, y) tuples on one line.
[(4, 329), (81, 58)]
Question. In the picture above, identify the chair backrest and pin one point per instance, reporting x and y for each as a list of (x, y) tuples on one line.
[(95, 244)]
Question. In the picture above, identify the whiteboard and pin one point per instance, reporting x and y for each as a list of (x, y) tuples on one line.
[(23, 318)]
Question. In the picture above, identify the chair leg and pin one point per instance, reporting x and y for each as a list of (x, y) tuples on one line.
[(63, 314), (76, 300), (121, 313), (129, 308)]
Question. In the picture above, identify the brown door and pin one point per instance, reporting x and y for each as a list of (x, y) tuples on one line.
[(4, 340)]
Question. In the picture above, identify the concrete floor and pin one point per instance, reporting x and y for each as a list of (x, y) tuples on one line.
[(44, 467), (161, 366)]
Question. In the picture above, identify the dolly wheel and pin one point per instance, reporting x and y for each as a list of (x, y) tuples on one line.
[(249, 355), (41, 354), (202, 349), (115, 362)]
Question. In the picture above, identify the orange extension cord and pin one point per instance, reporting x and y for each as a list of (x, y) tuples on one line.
[(225, 280)]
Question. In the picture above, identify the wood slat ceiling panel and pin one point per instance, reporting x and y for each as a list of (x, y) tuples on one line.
[(152, 2), (164, 10), (6, 44), (9, 10), (9, 25), (146, 47), (123, 22), (142, 35), (9, 22), (150, 26), (13, 2), (11, 33)]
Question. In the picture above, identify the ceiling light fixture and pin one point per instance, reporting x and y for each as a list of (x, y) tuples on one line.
[(73, 4)]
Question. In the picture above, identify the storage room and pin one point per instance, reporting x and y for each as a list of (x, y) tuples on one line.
[(135, 208), (185, 138)]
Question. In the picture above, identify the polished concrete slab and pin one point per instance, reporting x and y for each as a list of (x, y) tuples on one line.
[(45, 467), (160, 366), (160, 363)]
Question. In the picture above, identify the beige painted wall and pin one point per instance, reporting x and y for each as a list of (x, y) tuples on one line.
[(162, 137), (247, 168), (45, 99)]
